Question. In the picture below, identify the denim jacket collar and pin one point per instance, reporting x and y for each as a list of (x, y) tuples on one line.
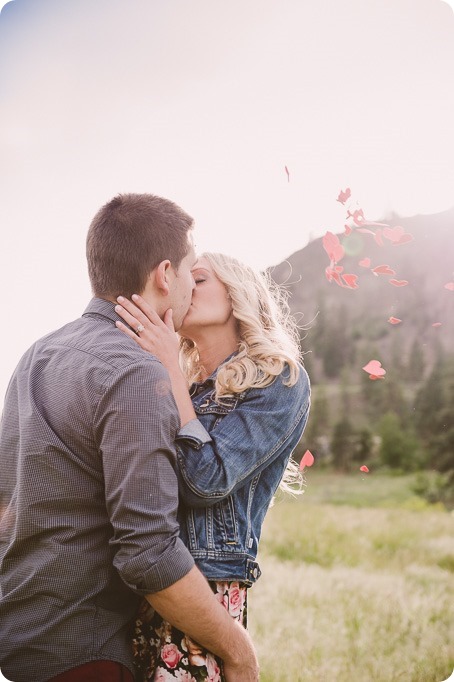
[(209, 381)]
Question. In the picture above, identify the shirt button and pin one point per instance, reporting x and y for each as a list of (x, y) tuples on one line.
[(255, 572)]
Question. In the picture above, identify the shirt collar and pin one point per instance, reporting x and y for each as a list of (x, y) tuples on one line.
[(99, 307)]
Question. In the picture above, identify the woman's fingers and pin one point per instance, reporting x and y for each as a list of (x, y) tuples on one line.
[(136, 313), (122, 327), (133, 322), (142, 306), (168, 320), (150, 332), (126, 330), (146, 341)]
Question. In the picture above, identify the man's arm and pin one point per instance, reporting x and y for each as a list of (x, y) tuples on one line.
[(135, 422), (190, 605)]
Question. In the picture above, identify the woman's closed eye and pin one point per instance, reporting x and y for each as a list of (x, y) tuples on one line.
[(199, 280)]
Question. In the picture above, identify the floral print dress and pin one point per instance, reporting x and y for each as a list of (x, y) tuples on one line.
[(164, 654)]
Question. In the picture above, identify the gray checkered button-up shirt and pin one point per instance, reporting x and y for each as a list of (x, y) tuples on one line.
[(89, 497)]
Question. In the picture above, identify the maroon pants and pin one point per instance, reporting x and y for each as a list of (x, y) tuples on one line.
[(96, 671)]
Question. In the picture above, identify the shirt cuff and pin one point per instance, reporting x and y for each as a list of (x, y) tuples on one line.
[(173, 565), (194, 432)]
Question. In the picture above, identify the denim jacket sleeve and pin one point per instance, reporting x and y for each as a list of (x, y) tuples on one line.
[(243, 442)]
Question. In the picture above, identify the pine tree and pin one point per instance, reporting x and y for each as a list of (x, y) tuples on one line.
[(399, 448), (342, 444), (416, 365), (318, 423), (429, 401)]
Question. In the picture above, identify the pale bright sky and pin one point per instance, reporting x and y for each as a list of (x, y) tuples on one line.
[(205, 102)]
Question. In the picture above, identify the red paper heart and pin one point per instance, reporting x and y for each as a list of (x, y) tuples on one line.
[(307, 460), (398, 282), (394, 233), (383, 270), (404, 239), (350, 281), (375, 369)]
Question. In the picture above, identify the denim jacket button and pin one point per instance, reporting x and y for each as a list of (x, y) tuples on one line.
[(254, 572)]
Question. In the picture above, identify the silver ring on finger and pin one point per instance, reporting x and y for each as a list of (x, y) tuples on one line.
[(140, 328)]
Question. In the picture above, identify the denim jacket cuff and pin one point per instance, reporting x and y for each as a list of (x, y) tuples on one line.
[(194, 432)]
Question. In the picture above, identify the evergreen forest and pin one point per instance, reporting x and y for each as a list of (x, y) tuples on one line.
[(404, 421)]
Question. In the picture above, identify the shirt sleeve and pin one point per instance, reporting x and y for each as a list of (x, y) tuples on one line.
[(135, 424), (243, 442)]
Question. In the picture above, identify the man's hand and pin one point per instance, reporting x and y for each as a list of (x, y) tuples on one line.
[(190, 605)]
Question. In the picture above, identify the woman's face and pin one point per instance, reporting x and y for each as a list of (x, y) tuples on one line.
[(211, 306)]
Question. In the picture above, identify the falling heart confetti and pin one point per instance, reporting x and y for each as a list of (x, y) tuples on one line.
[(378, 237), (307, 460), (383, 270), (333, 247), (404, 239), (358, 216), (344, 195), (398, 282), (350, 281), (375, 370), (397, 235)]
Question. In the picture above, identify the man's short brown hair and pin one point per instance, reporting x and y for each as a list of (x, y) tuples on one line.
[(129, 237)]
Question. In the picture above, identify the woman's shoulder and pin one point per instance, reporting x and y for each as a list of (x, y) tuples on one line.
[(290, 382), (294, 377)]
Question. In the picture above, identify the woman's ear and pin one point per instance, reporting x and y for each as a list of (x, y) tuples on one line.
[(162, 277)]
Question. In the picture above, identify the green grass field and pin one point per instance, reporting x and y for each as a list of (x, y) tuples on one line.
[(357, 584)]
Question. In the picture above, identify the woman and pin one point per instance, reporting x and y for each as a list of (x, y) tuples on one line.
[(239, 354)]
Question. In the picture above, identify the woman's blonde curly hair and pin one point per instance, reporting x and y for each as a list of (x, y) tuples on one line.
[(269, 339)]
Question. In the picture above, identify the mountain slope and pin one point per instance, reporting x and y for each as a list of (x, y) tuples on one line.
[(426, 262)]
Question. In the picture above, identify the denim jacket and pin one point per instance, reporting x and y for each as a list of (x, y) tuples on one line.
[(230, 466)]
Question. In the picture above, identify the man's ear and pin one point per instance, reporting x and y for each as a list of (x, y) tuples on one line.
[(162, 276)]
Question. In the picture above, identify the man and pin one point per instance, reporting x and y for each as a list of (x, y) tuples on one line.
[(88, 474)]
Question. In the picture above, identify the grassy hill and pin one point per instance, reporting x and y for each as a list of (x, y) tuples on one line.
[(356, 585)]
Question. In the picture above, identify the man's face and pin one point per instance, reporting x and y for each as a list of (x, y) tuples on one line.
[(182, 286)]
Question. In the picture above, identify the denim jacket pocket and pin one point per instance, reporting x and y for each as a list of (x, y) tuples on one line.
[(221, 528), (224, 522), (208, 405), (191, 531), (216, 529)]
